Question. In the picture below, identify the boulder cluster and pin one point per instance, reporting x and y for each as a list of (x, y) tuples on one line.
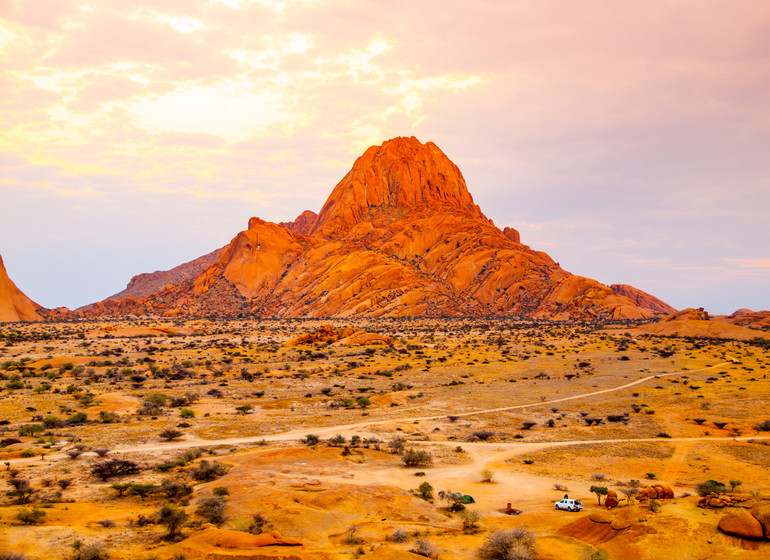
[(718, 501), (327, 334), (655, 492)]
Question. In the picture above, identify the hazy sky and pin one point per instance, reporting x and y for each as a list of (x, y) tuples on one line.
[(629, 140)]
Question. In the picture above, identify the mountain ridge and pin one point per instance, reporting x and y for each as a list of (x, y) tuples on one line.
[(399, 235)]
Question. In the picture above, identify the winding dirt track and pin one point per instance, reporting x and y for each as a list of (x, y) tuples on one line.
[(481, 453)]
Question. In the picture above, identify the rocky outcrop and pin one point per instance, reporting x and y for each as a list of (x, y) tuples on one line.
[(400, 235), (642, 299), (512, 234), (698, 323), (303, 224), (747, 318), (688, 314), (14, 304)]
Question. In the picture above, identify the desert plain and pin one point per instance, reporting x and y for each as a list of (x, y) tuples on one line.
[(305, 439)]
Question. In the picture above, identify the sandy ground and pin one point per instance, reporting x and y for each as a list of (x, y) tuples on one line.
[(436, 386)]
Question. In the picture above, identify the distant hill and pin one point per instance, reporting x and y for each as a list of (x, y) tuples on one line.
[(143, 285)]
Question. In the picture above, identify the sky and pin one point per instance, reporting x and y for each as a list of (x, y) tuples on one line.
[(628, 140)]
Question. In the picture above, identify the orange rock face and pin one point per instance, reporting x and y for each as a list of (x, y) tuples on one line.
[(642, 299), (400, 235), (303, 224), (14, 305)]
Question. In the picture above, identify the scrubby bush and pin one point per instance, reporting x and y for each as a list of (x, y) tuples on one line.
[(397, 445), (710, 487), (763, 426), (425, 491), (208, 471), (470, 520), (175, 489), (514, 544), (311, 439), (212, 509), (172, 517), (412, 458), (22, 489), (399, 536), (89, 551), (13, 556), (30, 516), (424, 548), (64, 483)]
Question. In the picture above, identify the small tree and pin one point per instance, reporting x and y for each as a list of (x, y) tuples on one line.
[(64, 483), (114, 467), (22, 489), (599, 491), (171, 434), (121, 487), (173, 517), (514, 544), (734, 484), (143, 489)]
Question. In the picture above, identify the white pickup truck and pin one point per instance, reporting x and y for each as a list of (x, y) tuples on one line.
[(569, 505)]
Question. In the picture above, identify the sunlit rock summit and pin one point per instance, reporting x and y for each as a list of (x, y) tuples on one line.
[(399, 235)]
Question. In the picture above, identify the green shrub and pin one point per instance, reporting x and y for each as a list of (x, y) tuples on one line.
[(710, 487), (412, 458), (212, 509)]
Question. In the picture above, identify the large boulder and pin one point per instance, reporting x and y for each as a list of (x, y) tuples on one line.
[(762, 514), (742, 524)]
